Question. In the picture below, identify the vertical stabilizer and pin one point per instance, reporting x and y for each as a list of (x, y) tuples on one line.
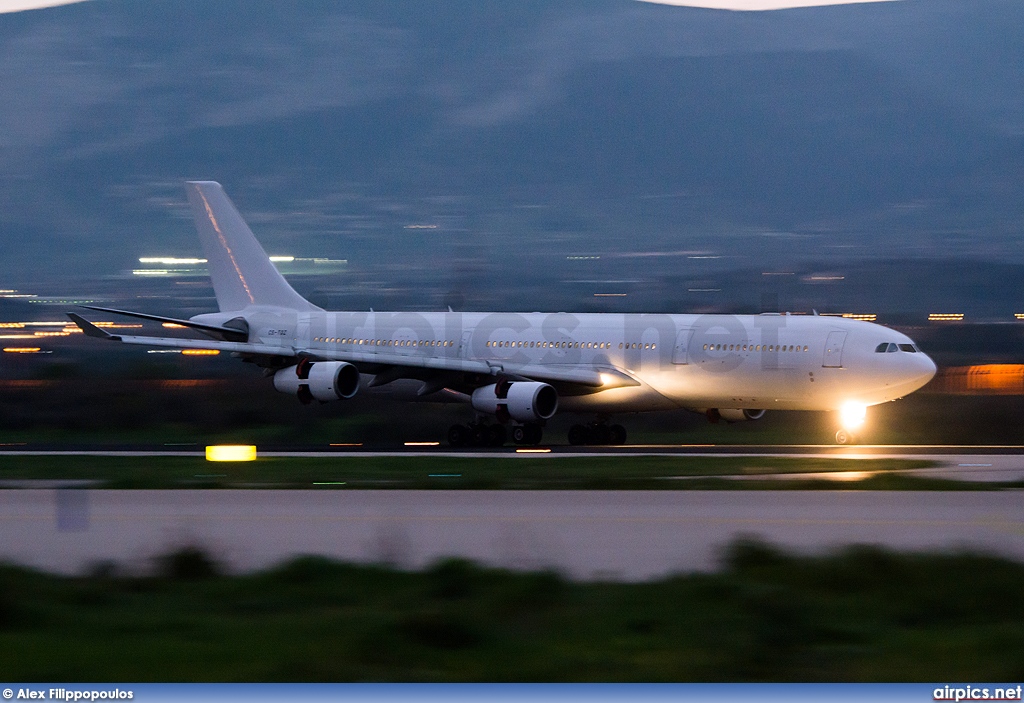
[(240, 269)]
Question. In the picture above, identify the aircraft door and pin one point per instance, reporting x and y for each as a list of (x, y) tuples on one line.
[(834, 350), (467, 336), (680, 354), (302, 331)]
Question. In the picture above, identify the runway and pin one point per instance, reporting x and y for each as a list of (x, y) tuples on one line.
[(620, 535), (988, 463)]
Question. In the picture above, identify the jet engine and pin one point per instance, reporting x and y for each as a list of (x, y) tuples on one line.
[(523, 401), (734, 414), (319, 380)]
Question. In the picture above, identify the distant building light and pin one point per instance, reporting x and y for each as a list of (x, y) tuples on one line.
[(50, 334), (170, 261), (703, 290), (704, 257), (17, 295), (420, 227), (12, 325), (22, 350), (1018, 315), (200, 352), (163, 351), (277, 259), (231, 452), (946, 317), (10, 290), (778, 273), (327, 261), (59, 301), (422, 444), (173, 326), (17, 336), (610, 295), (582, 258), (150, 272), (863, 316)]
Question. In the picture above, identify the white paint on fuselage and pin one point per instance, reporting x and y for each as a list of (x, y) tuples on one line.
[(729, 361)]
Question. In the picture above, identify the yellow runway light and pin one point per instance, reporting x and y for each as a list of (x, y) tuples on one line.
[(21, 350), (200, 352), (231, 452)]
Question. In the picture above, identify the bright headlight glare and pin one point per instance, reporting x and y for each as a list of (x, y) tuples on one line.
[(852, 415)]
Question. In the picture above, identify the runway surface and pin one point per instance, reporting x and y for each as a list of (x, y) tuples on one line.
[(631, 535), (991, 463)]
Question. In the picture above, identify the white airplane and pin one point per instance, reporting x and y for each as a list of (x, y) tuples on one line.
[(517, 369)]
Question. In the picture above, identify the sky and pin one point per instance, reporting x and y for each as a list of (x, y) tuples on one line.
[(19, 5)]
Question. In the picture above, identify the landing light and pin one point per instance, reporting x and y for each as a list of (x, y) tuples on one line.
[(852, 415)]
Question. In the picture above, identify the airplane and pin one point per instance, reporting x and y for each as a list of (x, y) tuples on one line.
[(517, 370)]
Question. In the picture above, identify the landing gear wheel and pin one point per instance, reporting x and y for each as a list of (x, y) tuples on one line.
[(496, 435), (844, 437), (534, 433), (527, 434), (616, 434), (577, 435), (458, 435)]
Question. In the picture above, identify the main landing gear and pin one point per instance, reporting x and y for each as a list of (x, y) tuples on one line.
[(476, 434), (597, 433), (480, 434)]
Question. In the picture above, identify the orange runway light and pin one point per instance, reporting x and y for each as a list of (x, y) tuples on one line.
[(946, 317), (173, 326), (200, 352), (21, 350)]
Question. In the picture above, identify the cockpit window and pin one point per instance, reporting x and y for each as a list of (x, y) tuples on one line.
[(892, 348), (908, 348), (880, 349)]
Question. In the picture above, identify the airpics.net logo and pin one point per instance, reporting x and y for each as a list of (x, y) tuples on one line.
[(978, 693)]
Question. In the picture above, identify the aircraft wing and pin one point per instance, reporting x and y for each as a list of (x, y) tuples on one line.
[(402, 364)]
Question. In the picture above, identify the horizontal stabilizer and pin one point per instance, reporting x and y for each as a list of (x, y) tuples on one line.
[(229, 334), (90, 329)]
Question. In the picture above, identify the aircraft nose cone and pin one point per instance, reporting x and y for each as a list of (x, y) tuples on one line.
[(927, 367)]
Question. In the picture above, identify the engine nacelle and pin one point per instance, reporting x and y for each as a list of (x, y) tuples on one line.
[(320, 380), (523, 401), (737, 415)]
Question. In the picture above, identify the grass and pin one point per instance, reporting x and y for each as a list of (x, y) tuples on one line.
[(493, 473), (862, 614)]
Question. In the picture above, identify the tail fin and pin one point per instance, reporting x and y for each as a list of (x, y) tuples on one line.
[(240, 269)]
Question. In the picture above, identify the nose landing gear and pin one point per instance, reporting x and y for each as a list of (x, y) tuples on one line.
[(845, 437)]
